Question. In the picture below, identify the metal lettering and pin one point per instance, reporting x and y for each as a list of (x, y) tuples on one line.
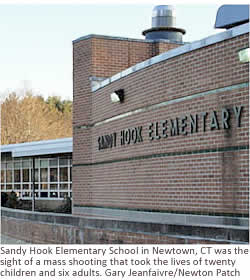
[(157, 136), (99, 143), (127, 136), (150, 131), (164, 128), (134, 135), (193, 123), (174, 128), (204, 115), (225, 116), (183, 125), (122, 138), (139, 134), (214, 122), (237, 112), (114, 139)]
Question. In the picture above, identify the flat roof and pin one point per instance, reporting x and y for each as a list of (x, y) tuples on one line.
[(36, 148)]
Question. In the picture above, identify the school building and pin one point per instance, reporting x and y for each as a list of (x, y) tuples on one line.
[(160, 136)]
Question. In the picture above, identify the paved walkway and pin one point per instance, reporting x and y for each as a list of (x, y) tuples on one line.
[(9, 240)]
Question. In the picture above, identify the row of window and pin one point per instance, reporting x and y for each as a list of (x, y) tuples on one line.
[(37, 186), (53, 177), (41, 195), (62, 174)]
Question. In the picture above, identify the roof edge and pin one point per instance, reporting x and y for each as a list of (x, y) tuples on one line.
[(207, 41), (107, 37)]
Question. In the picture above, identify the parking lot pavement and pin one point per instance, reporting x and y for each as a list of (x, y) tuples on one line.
[(9, 240)]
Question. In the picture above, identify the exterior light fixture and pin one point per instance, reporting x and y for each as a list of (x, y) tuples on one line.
[(244, 55), (117, 96)]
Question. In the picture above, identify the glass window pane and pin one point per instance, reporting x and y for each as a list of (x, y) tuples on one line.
[(2, 176), (43, 175), (70, 186), (25, 187), (3, 165), (17, 187), (17, 175), (36, 175), (9, 176), (63, 174), (44, 186), (26, 175), (2, 187), (43, 194), (53, 175), (63, 161), (26, 164), (63, 194), (53, 194), (8, 187), (53, 186), (63, 186), (53, 162), (70, 174), (9, 165), (44, 163), (17, 165)]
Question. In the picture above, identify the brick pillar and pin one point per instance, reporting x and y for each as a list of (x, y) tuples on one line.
[(97, 57), (82, 115)]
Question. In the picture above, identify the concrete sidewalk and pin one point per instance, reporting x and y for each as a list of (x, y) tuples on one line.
[(9, 240)]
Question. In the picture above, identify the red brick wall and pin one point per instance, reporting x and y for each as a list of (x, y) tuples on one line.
[(98, 57), (207, 181)]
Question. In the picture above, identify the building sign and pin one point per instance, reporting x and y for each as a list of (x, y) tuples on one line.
[(183, 125)]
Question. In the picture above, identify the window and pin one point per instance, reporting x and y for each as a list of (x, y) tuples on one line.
[(44, 186), (53, 186), (44, 175), (26, 175), (53, 175), (25, 187), (63, 174), (54, 194), (63, 186), (43, 194), (2, 176), (17, 187), (17, 176), (9, 176), (63, 195)]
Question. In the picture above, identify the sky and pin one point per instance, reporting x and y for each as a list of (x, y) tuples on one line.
[(36, 39)]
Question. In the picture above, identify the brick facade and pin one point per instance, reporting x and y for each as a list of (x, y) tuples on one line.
[(203, 171)]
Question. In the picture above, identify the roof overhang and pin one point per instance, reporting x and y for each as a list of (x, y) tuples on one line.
[(38, 148)]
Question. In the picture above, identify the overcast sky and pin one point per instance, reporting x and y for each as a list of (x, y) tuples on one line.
[(36, 40)]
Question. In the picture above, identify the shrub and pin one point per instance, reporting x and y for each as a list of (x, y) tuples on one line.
[(12, 201), (66, 207)]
